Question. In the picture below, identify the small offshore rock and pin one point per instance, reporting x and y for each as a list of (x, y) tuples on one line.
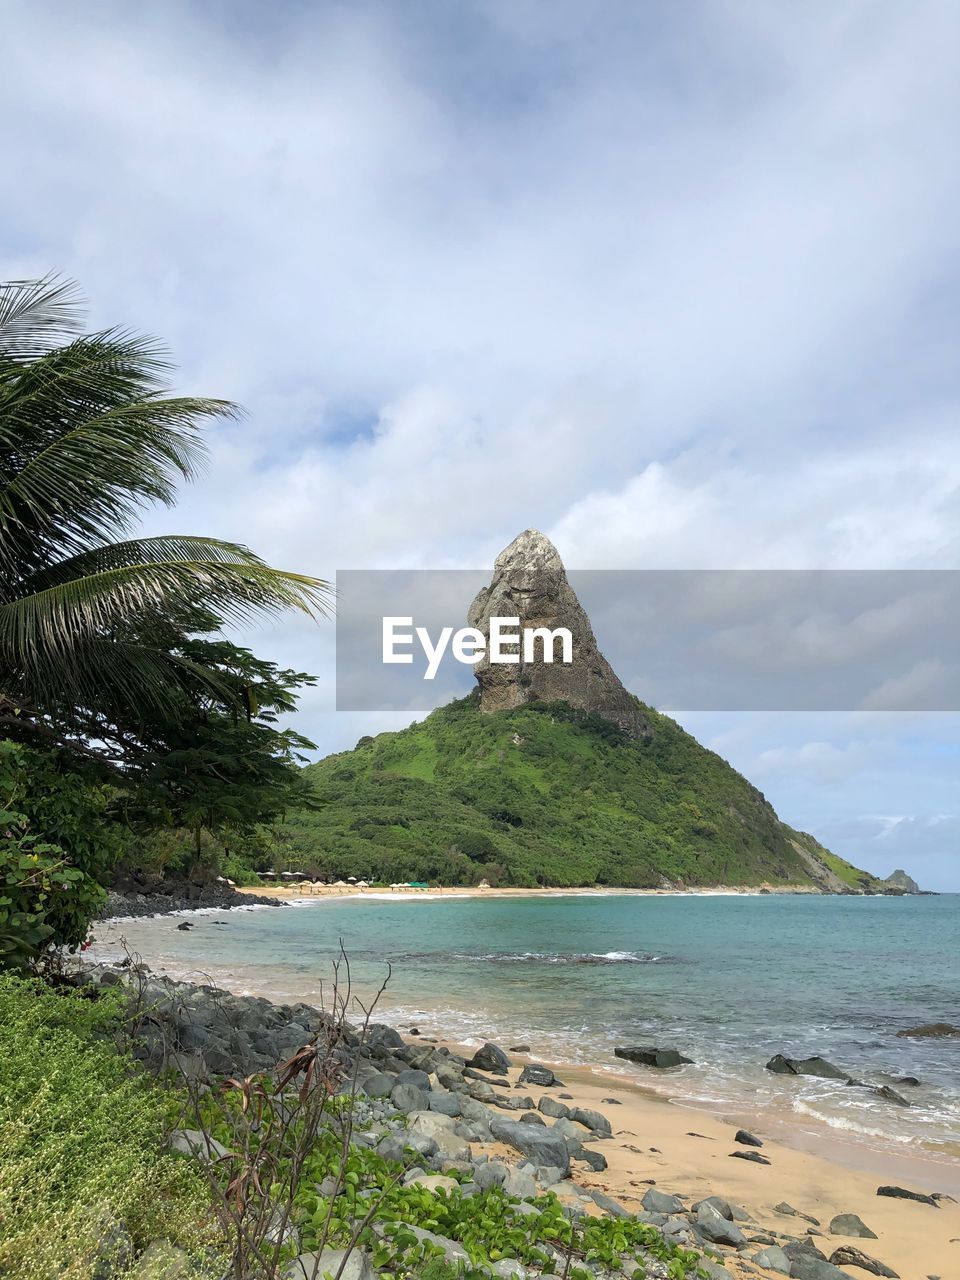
[(651, 1056), (850, 1224), (848, 1256), (747, 1139), (901, 1193), (519, 1048), (753, 1156), (814, 1066), (655, 1201), (933, 1030)]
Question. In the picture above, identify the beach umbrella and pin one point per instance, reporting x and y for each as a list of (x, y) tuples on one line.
[(362, 884), (352, 879), (340, 884)]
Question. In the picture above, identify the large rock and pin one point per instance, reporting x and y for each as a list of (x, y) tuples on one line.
[(900, 880), (848, 1256), (651, 1056), (773, 1258), (933, 1030), (357, 1266), (529, 583), (849, 1224), (407, 1097), (490, 1057), (440, 1128), (901, 1193), (814, 1066), (592, 1119), (535, 1073), (655, 1201), (542, 1146), (718, 1229)]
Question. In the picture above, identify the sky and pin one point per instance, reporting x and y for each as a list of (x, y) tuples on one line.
[(676, 284)]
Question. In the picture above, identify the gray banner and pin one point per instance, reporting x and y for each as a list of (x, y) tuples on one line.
[(697, 640)]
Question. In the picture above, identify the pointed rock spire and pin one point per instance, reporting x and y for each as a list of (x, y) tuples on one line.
[(530, 583)]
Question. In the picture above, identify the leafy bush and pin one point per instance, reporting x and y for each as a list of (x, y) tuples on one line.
[(82, 1159), (56, 847)]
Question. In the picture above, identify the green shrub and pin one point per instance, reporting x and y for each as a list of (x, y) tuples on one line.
[(56, 847), (82, 1150)]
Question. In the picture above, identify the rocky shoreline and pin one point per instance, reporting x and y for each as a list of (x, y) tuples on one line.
[(469, 1125), (171, 897)]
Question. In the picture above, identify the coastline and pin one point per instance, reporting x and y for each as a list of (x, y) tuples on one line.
[(653, 1142), (687, 1151), (299, 893)]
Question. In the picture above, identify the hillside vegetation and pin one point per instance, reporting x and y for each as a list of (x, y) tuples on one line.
[(542, 795)]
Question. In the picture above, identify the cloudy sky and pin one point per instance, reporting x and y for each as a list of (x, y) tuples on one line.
[(676, 284)]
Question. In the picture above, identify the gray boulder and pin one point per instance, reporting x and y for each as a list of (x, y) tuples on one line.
[(659, 1202), (718, 1229), (814, 1066), (848, 1256), (445, 1102), (747, 1139), (519, 1183), (379, 1085), (849, 1224), (726, 1209), (592, 1119), (542, 1146), (535, 1073), (407, 1097), (490, 1057), (192, 1142), (810, 1268), (551, 1107), (357, 1266), (773, 1258), (419, 1079), (453, 1252), (901, 1193)]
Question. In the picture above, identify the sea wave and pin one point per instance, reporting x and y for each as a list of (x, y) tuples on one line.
[(540, 957)]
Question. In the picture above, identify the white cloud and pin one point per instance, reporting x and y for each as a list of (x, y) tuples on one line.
[(674, 287)]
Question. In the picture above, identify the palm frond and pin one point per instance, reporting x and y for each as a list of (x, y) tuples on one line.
[(36, 315), (237, 590)]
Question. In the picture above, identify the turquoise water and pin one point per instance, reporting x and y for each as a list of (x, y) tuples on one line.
[(729, 980)]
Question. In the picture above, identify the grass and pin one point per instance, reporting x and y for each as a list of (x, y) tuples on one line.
[(82, 1155), (540, 795)]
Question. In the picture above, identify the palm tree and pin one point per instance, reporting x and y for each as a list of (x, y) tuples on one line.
[(89, 437)]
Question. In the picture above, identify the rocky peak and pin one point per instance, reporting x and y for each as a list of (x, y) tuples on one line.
[(530, 583), (900, 880)]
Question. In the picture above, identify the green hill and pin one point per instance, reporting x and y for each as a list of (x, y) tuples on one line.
[(547, 794)]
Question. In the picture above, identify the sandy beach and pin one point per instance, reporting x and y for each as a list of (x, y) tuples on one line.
[(687, 1152), (297, 892)]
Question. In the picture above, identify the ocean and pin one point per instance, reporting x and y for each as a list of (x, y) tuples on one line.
[(729, 980)]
